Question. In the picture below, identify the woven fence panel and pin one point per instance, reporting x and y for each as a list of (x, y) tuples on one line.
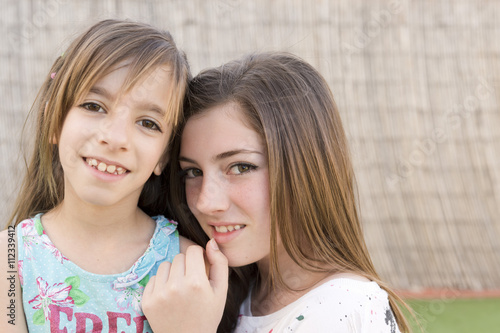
[(416, 82)]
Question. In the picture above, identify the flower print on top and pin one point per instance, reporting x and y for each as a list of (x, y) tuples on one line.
[(57, 292), (28, 237), (130, 294), (20, 271), (33, 234)]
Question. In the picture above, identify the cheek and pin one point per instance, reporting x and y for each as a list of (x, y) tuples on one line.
[(192, 193), (260, 199), (68, 154)]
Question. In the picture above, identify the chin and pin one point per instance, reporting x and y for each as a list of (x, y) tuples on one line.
[(100, 202), (234, 261)]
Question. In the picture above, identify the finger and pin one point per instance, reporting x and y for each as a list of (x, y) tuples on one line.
[(150, 287), (163, 272), (218, 267), (178, 267), (195, 261)]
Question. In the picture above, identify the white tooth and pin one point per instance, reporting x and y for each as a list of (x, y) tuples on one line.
[(222, 229), (111, 168), (237, 227), (120, 170), (230, 228), (94, 161), (102, 167), (89, 161)]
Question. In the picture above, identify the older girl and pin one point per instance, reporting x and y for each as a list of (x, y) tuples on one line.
[(265, 170)]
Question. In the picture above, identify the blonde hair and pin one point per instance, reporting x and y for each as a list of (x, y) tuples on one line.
[(91, 56), (312, 183)]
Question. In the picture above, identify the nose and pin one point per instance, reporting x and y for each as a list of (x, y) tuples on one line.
[(115, 131), (213, 197)]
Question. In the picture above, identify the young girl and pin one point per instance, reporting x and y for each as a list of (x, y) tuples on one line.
[(86, 242), (266, 172)]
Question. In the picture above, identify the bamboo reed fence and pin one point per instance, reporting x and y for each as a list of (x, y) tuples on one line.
[(416, 82)]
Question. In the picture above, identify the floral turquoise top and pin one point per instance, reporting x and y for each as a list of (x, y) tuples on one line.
[(59, 296)]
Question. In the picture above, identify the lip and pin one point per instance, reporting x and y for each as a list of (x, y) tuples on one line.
[(108, 162), (103, 176), (225, 237)]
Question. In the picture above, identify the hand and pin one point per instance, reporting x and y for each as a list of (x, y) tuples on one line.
[(181, 298)]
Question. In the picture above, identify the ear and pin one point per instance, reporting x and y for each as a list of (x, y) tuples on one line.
[(158, 169), (162, 163), (160, 166)]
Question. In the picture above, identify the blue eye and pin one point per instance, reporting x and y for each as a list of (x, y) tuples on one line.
[(242, 168), (149, 124), (94, 107)]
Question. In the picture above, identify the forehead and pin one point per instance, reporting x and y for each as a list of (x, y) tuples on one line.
[(224, 126), (124, 77), (151, 90)]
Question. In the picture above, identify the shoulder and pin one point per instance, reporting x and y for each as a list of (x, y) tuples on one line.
[(4, 234), (346, 305), (165, 229), (169, 227), (185, 243), (29, 227), (164, 223), (8, 246), (7, 237), (165, 240), (8, 240)]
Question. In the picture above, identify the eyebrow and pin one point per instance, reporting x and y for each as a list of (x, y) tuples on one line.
[(100, 91), (153, 107), (144, 106), (224, 155)]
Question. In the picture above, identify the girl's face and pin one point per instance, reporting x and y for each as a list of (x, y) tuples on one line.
[(227, 182), (112, 141)]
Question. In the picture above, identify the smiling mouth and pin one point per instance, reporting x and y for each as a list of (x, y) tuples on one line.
[(103, 167), (228, 228)]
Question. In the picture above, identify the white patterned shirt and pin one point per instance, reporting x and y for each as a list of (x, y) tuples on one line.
[(340, 305)]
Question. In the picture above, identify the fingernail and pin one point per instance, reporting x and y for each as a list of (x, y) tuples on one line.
[(214, 244)]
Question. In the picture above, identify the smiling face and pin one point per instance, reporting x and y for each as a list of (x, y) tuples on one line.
[(227, 182), (113, 140)]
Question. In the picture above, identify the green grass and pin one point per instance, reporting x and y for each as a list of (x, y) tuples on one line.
[(458, 315)]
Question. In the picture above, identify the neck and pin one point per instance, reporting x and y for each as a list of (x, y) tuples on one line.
[(267, 298), (93, 237), (97, 222)]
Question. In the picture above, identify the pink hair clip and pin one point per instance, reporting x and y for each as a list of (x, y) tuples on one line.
[(53, 75)]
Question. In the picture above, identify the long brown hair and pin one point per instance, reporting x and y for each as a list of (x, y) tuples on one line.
[(312, 184), (90, 57)]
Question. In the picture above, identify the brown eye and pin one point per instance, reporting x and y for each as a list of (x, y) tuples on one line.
[(192, 173), (241, 168), (149, 124), (94, 107)]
